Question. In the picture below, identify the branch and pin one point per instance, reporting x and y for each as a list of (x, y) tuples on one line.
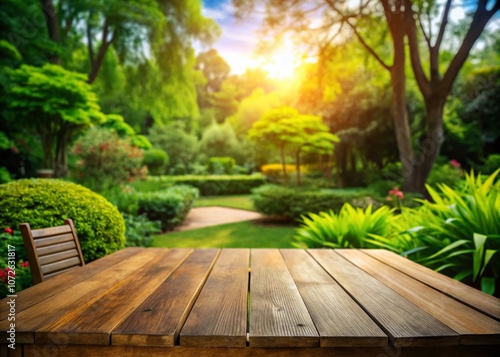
[(444, 22), (416, 64), (479, 21), (360, 38), (427, 38), (90, 46)]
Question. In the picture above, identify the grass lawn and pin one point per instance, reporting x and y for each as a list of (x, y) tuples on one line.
[(232, 235), (234, 201)]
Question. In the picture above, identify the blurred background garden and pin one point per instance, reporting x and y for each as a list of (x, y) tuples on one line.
[(349, 131)]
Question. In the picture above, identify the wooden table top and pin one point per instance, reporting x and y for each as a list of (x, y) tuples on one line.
[(209, 301)]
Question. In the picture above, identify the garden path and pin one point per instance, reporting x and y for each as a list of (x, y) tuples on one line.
[(200, 217)]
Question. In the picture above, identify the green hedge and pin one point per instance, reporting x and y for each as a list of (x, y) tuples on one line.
[(48, 202), (170, 206), (214, 185), (292, 203)]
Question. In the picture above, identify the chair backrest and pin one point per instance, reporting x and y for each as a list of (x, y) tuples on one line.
[(51, 251)]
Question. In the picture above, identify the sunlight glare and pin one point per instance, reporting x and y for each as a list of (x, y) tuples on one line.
[(281, 64)]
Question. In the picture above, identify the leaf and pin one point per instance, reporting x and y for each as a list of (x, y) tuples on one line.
[(488, 285)]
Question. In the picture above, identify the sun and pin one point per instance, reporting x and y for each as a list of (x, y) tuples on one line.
[(282, 63)]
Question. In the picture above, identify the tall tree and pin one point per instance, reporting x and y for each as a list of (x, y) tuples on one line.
[(408, 22)]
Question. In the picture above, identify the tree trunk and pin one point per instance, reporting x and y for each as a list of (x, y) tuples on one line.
[(431, 145), (283, 163), (50, 13), (297, 165), (400, 114)]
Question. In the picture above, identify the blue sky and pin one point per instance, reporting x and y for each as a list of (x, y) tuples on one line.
[(238, 40)]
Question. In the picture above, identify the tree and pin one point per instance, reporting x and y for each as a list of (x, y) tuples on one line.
[(220, 140), (214, 68), (286, 128), (405, 21), (57, 103), (180, 145)]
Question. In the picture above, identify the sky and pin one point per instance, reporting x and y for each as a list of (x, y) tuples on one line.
[(238, 40)]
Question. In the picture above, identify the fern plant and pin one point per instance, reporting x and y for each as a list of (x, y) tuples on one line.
[(457, 234), (350, 228)]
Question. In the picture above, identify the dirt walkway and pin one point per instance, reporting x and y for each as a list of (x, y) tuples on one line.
[(200, 217)]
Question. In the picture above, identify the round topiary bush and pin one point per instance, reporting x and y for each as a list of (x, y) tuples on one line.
[(48, 202)]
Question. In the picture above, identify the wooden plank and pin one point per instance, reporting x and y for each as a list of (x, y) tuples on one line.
[(44, 232), (47, 259), (405, 323), (81, 294), (51, 287), (43, 242), (278, 316), (134, 351), (92, 324), (473, 326), (61, 265), (5, 351), (158, 320), (338, 318), (488, 304), (56, 248), (219, 316)]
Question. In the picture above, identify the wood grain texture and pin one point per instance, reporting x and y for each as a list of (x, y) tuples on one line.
[(61, 265), (158, 320), (406, 324), (468, 295), (473, 326), (77, 295), (92, 324), (44, 232), (219, 316), (278, 316), (57, 257), (43, 242), (338, 318), (9, 352), (131, 351), (49, 288)]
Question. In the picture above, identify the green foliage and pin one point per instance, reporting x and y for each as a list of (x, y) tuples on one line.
[(23, 280), (105, 160), (170, 206), (221, 165), (448, 174), (180, 145), (293, 203), (220, 140), (48, 202), (490, 164), (4, 175), (215, 185), (350, 228), (56, 103), (117, 124), (460, 230), (139, 230), (156, 160)]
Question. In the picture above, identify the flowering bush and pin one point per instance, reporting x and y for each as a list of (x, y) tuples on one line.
[(105, 160), (22, 271)]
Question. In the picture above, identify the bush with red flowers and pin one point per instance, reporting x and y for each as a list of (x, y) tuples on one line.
[(22, 274)]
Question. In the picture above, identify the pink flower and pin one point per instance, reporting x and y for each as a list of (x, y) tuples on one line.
[(9, 230), (389, 198), (24, 264), (399, 194), (15, 150), (455, 163)]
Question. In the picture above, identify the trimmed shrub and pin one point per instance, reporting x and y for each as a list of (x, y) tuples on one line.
[(221, 165), (48, 202), (170, 206), (292, 203), (214, 185), (449, 174), (139, 230), (490, 164), (156, 160)]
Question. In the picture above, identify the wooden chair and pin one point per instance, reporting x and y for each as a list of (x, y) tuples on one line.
[(51, 251)]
